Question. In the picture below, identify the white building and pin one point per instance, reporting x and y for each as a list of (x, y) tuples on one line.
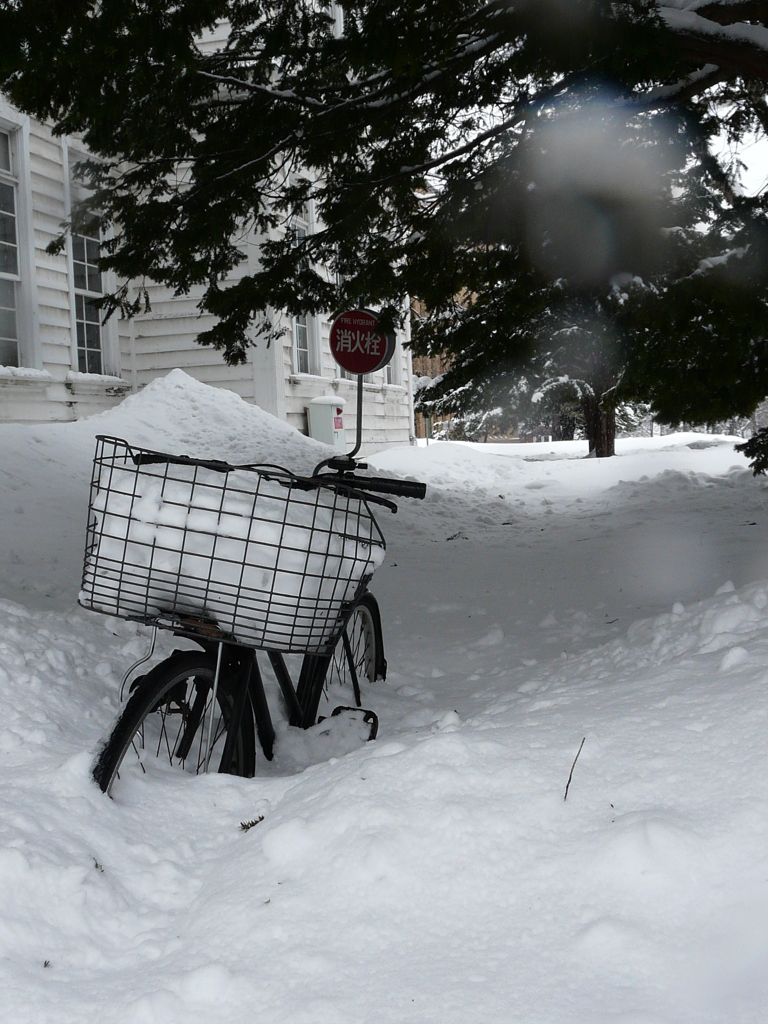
[(57, 362)]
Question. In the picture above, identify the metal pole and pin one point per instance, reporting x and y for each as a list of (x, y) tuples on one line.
[(359, 440), (213, 707)]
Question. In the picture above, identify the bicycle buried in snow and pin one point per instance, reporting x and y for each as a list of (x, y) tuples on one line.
[(237, 559)]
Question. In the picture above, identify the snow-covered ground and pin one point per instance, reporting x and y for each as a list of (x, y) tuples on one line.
[(534, 599)]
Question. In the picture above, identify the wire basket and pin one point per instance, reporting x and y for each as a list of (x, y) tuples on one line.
[(252, 554)]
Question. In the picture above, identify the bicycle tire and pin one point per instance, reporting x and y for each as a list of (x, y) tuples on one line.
[(155, 695), (366, 643)]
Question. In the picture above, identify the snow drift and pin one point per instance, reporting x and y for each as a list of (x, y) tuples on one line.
[(436, 874)]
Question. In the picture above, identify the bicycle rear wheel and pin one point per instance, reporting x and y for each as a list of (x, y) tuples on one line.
[(165, 723)]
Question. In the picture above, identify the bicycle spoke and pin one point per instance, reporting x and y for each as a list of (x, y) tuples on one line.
[(136, 749), (358, 661), (359, 643), (164, 736)]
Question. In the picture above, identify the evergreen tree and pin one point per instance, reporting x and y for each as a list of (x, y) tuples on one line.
[(504, 162)]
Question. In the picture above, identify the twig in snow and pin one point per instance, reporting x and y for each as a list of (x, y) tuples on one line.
[(568, 783)]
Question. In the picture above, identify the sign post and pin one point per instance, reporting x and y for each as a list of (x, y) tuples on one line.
[(359, 346)]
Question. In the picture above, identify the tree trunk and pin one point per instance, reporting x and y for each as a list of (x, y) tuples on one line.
[(601, 428), (563, 427)]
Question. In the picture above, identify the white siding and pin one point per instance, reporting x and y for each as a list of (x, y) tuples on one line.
[(46, 316), (213, 40), (164, 339)]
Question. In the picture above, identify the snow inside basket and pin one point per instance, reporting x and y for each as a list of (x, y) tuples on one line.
[(253, 552)]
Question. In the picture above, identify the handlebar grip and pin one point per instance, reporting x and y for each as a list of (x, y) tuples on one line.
[(400, 488)]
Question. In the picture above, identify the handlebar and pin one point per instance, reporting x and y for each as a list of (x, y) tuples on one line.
[(381, 485), (375, 484)]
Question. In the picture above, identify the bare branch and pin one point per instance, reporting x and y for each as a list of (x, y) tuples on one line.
[(568, 783)]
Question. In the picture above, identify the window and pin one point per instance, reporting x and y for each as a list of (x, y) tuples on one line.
[(297, 234), (9, 352), (9, 257), (299, 227), (9, 250), (301, 344), (302, 359), (342, 279), (88, 286)]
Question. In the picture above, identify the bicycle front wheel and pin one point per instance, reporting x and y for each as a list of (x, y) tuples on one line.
[(166, 722), (359, 653)]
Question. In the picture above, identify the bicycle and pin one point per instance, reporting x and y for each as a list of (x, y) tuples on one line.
[(237, 559)]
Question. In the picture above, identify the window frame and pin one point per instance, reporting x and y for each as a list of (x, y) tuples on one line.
[(297, 350), (16, 125), (305, 225), (393, 376), (9, 178), (74, 193), (82, 295)]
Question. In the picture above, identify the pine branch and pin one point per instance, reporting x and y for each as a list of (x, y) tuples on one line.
[(286, 95), (683, 90), (245, 826), (738, 47)]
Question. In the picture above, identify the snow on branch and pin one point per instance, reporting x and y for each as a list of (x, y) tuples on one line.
[(718, 261), (286, 95), (581, 387), (689, 21), (693, 84)]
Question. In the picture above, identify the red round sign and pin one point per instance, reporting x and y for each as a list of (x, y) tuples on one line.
[(357, 344)]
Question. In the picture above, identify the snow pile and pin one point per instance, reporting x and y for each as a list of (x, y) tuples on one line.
[(265, 560), (46, 470), (178, 414), (535, 600)]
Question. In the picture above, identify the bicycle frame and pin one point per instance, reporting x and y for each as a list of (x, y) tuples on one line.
[(302, 699)]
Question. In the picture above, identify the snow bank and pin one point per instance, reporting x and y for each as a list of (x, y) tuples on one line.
[(446, 845), (46, 469), (436, 874), (560, 466), (178, 414)]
